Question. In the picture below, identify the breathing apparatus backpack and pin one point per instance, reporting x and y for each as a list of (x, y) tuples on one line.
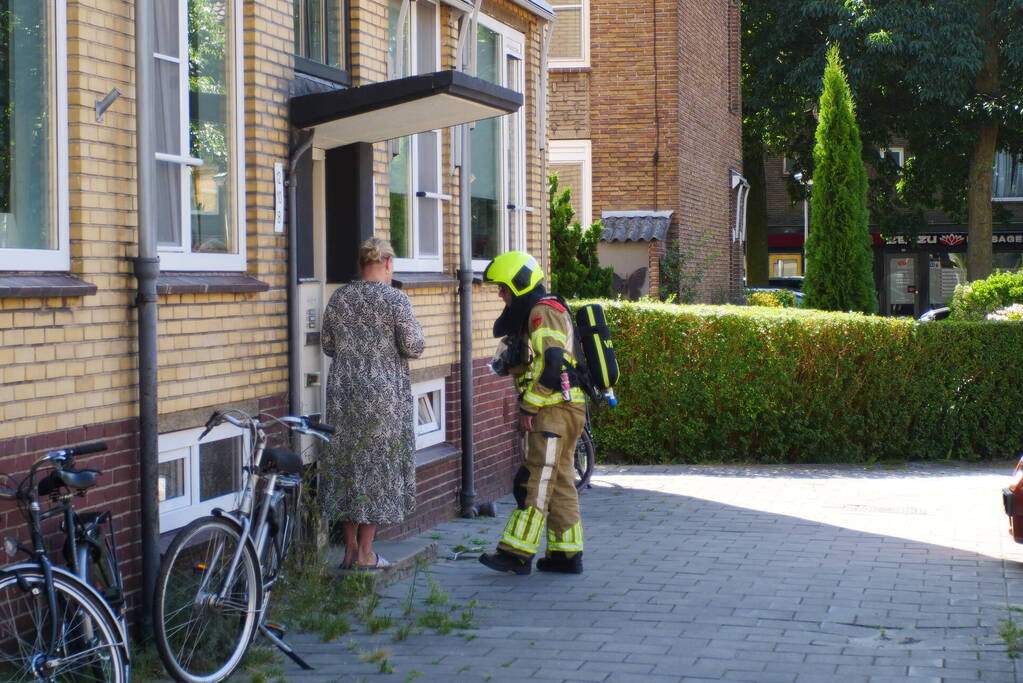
[(600, 373)]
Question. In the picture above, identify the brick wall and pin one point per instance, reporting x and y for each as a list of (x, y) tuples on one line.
[(496, 454), (660, 101)]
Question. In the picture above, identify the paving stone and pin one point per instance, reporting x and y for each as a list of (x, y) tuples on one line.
[(792, 574)]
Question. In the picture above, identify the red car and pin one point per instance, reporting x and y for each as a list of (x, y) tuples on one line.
[(1012, 499)]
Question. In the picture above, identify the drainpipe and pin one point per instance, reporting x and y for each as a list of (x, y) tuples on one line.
[(468, 494), (294, 314), (147, 268)]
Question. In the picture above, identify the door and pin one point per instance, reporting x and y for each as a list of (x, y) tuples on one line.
[(901, 286)]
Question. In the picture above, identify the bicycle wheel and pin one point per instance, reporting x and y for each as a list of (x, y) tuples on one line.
[(585, 458), (87, 645), (201, 638)]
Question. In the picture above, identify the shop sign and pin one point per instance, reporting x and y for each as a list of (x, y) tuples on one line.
[(952, 239)]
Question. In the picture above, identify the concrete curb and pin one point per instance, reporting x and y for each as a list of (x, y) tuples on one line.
[(404, 556)]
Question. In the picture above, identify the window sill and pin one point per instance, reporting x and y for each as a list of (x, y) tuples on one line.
[(554, 68), (322, 71), (208, 283), (434, 454), (422, 280), (43, 286)]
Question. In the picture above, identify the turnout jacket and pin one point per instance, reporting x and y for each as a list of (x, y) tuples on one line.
[(549, 336)]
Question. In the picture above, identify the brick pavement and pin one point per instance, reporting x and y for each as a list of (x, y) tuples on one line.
[(787, 574)]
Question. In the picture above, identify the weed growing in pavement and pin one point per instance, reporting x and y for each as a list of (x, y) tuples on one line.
[(379, 657), (380, 622), (1013, 637), (413, 675)]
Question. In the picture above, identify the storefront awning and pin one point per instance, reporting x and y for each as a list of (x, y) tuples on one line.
[(391, 109)]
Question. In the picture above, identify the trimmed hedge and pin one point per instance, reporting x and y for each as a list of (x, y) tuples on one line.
[(745, 384)]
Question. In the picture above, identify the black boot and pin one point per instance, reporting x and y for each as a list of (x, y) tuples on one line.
[(501, 561), (558, 562)]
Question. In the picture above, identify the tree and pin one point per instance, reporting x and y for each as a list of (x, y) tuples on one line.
[(959, 64), (575, 268), (945, 75), (839, 272)]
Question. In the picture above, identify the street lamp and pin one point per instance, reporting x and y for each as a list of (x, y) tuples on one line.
[(798, 177)]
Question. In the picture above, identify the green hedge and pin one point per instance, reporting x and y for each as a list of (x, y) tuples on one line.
[(746, 384)]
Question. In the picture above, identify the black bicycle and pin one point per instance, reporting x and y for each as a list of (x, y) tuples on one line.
[(585, 455), (60, 624)]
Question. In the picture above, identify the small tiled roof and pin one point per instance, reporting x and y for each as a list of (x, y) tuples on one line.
[(635, 226)]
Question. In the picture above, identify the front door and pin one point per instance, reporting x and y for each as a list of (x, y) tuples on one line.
[(901, 288)]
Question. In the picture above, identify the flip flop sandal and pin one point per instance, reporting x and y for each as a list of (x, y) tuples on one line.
[(381, 563)]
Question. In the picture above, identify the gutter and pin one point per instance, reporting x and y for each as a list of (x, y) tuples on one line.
[(147, 269)]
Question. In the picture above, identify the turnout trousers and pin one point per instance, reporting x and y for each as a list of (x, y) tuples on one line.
[(544, 486)]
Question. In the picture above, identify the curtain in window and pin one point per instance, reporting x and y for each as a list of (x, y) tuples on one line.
[(27, 161), (1008, 178)]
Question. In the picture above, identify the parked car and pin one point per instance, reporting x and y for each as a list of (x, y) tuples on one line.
[(935, 314), (793, 282)]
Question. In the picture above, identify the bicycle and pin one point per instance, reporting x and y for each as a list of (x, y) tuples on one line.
[(216, 577), (54, 624), (585, 455)]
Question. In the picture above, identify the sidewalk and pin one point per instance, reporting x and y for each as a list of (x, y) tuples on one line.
[(789, 574)]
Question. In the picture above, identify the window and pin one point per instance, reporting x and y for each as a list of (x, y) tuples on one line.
[(320, 31), (785, 265), (429, 412), (1007, 183), (896, 155), (498, 150), (195, 477), (33, 136), (416, 198), (198, 110), (570, 159), (570, 42)]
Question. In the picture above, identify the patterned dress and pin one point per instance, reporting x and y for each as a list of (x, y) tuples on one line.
[(368, 474)]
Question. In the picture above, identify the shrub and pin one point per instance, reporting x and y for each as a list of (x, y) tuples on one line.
[(779, 298), (1013, 313), (743, 384), (974, 300)]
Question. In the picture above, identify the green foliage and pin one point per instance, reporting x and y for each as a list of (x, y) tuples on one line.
[(575, 268), (839, 252), (776, 298), (744, 384), (974, 300), (680, 274)]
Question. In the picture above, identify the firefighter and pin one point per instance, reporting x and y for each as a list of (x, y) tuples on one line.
[(552, 411)]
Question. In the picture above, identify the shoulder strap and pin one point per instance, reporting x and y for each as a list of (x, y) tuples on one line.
[(555, 302)]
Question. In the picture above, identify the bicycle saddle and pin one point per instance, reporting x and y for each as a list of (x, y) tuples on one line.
[(281, 460), (79, 480)]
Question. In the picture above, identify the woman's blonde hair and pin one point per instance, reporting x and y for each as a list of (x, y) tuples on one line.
[(373, 250)]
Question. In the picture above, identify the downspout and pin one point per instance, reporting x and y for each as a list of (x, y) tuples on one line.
[(147, 269), (294, 318), (468, 493)]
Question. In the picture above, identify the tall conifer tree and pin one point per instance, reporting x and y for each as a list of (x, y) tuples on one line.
[(839, 258)]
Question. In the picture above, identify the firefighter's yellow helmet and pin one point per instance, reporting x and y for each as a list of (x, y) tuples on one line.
[(517, 270)]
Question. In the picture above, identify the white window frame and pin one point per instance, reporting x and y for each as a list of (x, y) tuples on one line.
[(898, 152), (433, 434), (512, 221), (422, 199), (181, 258), (59, 258), (576, 152), (179, 511), (1019, 172), (584, 34)]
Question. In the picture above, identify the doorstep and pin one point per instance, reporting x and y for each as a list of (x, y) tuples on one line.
[(403, 556)]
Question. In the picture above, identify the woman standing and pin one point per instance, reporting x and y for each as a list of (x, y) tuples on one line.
[(368, 474)]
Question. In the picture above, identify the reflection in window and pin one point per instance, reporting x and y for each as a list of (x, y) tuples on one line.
[(171, 479), (1007, 261), (220, 464), (27, 162), (320, 31), (571, 33)]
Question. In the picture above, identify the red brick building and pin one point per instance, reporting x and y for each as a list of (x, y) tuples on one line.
[(645, 118)]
